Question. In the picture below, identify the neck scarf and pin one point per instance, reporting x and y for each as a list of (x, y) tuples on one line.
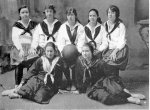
[(55, 29), (32, 25), (72, 37)]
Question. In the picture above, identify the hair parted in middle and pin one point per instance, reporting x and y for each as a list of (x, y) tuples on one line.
[(71, 10), (90, 47), (114, 8), (50, 6), (97, 13)]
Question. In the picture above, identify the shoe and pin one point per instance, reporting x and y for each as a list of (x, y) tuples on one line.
[(134, 100), (14, 95), (7, 92), (140, 96), (60, 91), (66, 91), (16, 86), (75, 92), (73, 88), (68, 88)]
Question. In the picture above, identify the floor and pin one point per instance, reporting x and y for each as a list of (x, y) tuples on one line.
[(135, 80)]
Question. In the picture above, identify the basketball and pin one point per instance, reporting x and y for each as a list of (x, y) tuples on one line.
[(70, 53)]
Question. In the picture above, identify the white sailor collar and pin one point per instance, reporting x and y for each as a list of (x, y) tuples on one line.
[(45, 20), (97, 25), (77, 24), (23, 23)]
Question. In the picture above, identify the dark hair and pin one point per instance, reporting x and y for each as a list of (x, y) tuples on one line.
[(24, 6), (50, 6), (71, 10), (51, 44), (90, 47), (98, 18), (114, 8)]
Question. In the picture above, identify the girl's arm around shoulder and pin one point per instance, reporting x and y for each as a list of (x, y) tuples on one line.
[(15, 37), (122, 36), (104, 42), (60, 41), (35, 40), (81, 38)]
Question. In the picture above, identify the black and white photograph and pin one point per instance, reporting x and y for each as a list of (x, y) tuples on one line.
[(74, 54)]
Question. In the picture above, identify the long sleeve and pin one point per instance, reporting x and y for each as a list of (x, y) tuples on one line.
[(15, 37), (61, 38), (104, 42), (34, 70), (56, 35), (59, 69), (122, 40), (81, 38), (79, 71), (36, 38)]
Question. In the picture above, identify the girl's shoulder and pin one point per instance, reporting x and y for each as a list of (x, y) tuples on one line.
[(80, 27), (64, 23), (121, 24), (16, 23), (57, 21), (32, 24), (104, 24), (79, 24), (56, 59), (39, 59), (44, 57), (87, 25)]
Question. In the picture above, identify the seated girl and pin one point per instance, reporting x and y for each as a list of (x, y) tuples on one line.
[(88, 69), (110, 90), (41, 83), (99, 80)]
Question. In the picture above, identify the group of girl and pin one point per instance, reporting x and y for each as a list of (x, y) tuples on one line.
[(102, 53)]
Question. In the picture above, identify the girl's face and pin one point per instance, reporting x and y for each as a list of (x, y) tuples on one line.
[(86, 53), (24, 13), (50, 52), (111, 15), (93, 16), (49, 13), (71, 17)]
